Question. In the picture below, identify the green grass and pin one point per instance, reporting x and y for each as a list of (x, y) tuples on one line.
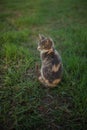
[(24, 103)]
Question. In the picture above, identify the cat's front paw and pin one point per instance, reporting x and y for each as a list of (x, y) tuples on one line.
[(41, 79)]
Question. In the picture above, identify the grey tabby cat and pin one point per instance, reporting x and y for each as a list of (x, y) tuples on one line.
[(51, 69)]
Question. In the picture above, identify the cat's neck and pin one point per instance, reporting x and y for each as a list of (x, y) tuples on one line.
[(47, 51), (47, 54)]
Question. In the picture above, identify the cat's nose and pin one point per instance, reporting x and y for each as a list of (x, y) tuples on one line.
[(38, 48)]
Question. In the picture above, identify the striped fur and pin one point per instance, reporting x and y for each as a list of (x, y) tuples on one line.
[(51, 69)]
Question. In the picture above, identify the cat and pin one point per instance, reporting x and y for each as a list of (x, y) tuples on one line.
[(51, 69)]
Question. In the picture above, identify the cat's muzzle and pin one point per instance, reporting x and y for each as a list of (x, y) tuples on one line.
[(38, 48)]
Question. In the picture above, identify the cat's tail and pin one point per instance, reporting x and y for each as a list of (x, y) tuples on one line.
[(37, 70)]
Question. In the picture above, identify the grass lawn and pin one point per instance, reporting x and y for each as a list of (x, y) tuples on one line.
[(24, 103)]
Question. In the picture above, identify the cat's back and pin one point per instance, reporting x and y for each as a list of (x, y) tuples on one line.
[(52, 68)]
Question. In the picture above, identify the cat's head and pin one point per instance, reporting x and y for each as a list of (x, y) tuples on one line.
[(45, 44)]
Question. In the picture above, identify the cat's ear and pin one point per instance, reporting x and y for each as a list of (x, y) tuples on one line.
[(41, 37), (49, 40)]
